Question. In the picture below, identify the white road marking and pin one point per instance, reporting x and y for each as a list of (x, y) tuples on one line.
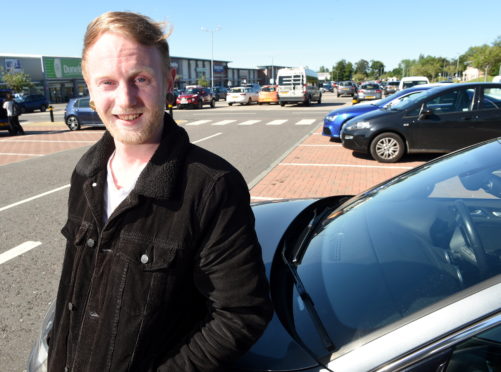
[(224, 122), (305, 122), (319, 145), (199, 122), (33, 198), (206, 138), (18, 154), (342, 165), (19, 250), (276, 122), (249, 122)]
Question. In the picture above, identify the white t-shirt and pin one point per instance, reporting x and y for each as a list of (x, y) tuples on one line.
[(113, 196), (9, 105)]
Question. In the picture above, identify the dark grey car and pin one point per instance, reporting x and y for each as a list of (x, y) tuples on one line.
[(348, 88), (78, 112)]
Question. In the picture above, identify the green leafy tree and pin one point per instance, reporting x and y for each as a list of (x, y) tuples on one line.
[(17, 81), (362, 69), (323, 69), (338, 71), (349, 70), (376, 69)]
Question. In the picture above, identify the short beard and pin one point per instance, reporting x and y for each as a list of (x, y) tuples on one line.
[(145, 135)]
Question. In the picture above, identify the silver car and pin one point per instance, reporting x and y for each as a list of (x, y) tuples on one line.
[(369, 91)]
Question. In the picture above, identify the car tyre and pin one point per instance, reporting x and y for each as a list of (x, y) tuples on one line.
[(43, 108), (387, 148), (319, 99), (213, 103), (73, 123), (200, 104), (307, 101), (282, 103)]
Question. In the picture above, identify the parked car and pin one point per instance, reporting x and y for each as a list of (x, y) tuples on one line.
[(390, 87), (32, 102), (78, 113), (327, 87), (268, 94), (334, 120), (440, 119), (369, 91), (196, 97), (403, 277), (346, 88), (410, 81), (220, 93), (242, 95)]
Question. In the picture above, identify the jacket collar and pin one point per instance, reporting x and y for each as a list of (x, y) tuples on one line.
[(160, 176)]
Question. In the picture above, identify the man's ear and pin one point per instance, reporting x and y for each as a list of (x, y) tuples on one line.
[(171, 77)]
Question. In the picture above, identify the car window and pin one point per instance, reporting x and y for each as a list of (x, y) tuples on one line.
[(83, 103), (451, 101), (491, 99), (411, 246)]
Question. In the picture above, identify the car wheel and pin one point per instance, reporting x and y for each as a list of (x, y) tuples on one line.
[(43, 108), (387, 148), (319, 99), (337, 95), (307, 101), (282, 103), (249, 101), (73, 123), (200, 104), (230, 103), (213, 103)]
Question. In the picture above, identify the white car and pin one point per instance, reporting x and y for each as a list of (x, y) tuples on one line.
[(242, 95)]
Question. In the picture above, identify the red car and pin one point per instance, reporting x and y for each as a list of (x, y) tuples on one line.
[(196, 97)]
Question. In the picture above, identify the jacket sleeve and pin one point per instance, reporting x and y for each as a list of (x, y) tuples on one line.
[(230, 273)]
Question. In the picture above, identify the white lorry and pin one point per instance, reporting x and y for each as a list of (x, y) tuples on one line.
[(298, 85)]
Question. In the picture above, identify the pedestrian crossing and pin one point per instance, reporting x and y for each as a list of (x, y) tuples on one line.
[(275, 122)]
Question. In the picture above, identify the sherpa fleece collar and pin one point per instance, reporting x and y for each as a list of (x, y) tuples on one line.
[(159, 177)]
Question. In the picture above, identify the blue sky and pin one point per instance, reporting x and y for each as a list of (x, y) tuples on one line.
[(282, 32)]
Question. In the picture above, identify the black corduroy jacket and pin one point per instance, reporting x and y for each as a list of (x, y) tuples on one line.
[(174, 281)]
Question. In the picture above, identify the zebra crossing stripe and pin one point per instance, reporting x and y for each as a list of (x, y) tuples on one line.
[(249, 122), (224, 122), (276, 122), (199, 122), (305, 122)]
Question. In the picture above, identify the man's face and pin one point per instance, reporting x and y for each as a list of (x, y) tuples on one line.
[(128, 86)]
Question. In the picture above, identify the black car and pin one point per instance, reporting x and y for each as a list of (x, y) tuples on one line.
[(403, 277), (220, 93), (438, 120)]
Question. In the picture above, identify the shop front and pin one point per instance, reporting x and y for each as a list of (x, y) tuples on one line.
[(63, 78)]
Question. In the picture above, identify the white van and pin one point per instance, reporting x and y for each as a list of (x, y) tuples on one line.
[(410, 81), (496, 79), (298, 85)]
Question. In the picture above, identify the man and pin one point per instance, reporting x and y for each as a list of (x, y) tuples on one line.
[(162, 269), (12, 117)]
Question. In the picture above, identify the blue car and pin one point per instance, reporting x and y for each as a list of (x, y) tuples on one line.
[(78, 112), (334, 120)]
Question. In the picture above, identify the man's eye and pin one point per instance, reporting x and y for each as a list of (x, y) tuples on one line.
[(141, 80)]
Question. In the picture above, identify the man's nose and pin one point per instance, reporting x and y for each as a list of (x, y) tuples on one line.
[(126, 95)]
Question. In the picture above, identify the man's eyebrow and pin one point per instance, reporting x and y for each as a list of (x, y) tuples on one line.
[(130, 73)]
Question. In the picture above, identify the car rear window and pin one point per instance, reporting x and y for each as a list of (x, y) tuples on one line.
[(370, 86), (268, 89)]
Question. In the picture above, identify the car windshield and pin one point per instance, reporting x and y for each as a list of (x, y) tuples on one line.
[(193, 91), (410, 100), (402, 247)]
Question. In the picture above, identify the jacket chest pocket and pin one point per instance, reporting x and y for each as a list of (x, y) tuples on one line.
[(146, 273)]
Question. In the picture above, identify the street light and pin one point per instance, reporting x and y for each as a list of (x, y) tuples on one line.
[(212, 52)]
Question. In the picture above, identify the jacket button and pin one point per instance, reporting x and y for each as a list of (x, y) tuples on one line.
[(70, 306), (90, 243), (94, 184), (144, 259)]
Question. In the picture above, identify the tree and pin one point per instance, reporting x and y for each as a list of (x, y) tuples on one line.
[(323, 69), (202, 81), (17, 81), (376, 69), (362, 68)]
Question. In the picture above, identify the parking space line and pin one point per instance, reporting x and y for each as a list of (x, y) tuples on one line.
[(224, 122), (199, 122), (319, 145), (50, 141), (305, 122), (205, 138), (33, 198), (19, 250), (249, 122)]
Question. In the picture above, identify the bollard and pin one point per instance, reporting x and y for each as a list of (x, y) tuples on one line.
[(51, 112)]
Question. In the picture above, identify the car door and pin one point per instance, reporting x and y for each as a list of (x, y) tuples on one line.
[(445, 122), (85, 114), (488, 113)]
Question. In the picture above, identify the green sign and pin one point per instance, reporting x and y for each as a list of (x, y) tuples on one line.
[(62, 68)]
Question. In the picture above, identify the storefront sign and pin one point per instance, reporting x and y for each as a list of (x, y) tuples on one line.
[(13, 65), (62, 68), (218, 68)]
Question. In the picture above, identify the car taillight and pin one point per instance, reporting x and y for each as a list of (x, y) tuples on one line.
[(378, 90)]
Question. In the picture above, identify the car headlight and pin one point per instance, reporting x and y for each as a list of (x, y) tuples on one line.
[(331, 117), (359, 125)]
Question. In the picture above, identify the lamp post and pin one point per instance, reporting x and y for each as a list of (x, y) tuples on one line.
[(212, 52)]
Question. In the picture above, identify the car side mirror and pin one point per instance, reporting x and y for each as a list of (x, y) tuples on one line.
[(425, 113)]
